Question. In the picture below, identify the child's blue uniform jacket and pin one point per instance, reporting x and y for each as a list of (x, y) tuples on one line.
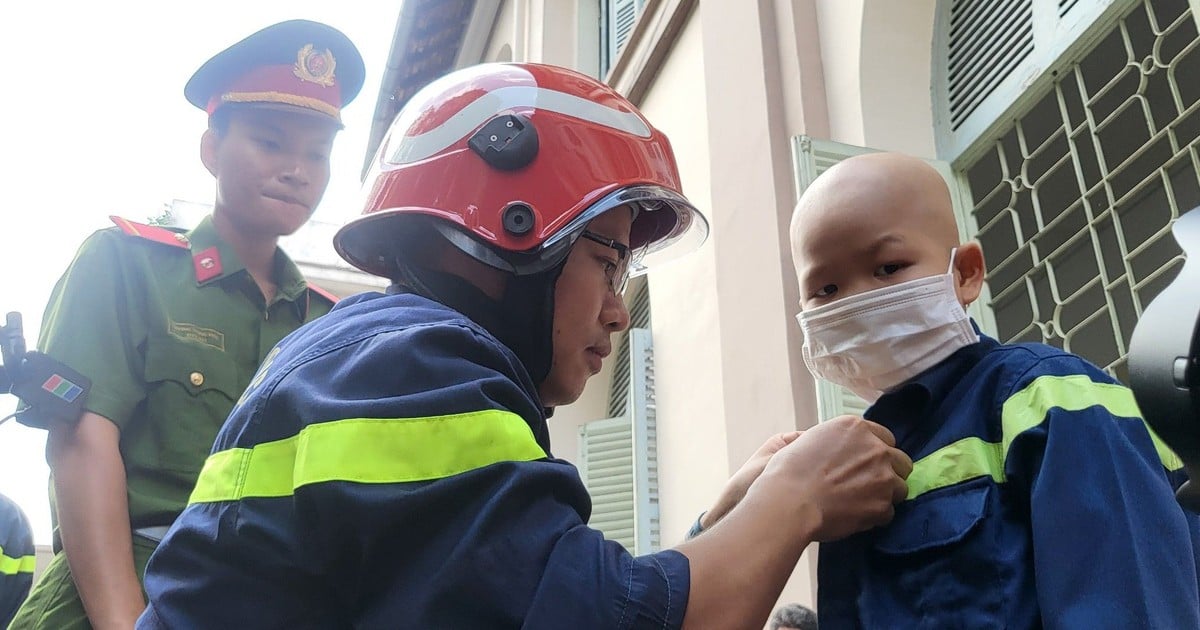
[(389, 467), (1038, 498)]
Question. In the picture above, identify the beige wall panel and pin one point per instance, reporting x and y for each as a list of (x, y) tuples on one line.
[(895, 68), (684, 310), (553, 32), (501, 44), (840, 23), (752, 194)]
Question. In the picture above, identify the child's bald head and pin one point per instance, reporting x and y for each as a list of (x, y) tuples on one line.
[(875, 220)]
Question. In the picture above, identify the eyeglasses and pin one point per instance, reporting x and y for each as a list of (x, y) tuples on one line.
[(618, 276)]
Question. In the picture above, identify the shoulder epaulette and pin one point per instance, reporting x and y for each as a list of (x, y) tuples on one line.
[(333, 299), (154, 233)]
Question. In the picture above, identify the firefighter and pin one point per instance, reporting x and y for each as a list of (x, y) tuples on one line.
[(16, 558), (390, 464)]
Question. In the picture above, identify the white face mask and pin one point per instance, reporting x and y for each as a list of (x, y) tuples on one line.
[(874, 341)]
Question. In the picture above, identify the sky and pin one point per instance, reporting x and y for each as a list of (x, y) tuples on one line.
[(93, 122)]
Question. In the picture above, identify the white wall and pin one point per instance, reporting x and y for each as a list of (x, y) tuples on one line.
[(684, 312), (501, 44), (894, 75), (876, 58), (840, 24)]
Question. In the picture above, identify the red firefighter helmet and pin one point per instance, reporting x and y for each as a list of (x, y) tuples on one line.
[(514, 160)]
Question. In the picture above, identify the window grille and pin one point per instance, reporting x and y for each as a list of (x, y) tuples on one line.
[(1075, 201)]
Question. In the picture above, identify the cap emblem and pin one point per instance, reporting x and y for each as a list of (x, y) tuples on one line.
[(315, 67)]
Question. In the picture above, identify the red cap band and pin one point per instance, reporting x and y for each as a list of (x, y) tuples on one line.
[(309, 83)]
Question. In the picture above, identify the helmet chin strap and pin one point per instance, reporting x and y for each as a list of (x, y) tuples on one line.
[(529, 304), (523, 318)]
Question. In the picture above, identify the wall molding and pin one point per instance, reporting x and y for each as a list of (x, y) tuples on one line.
[(657, 28)]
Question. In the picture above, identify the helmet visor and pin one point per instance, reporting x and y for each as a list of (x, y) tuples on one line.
[(665, 226)]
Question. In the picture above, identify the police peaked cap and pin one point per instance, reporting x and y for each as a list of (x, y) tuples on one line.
[(296, 64)]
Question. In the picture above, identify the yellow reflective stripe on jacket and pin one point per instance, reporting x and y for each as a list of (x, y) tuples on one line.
[(973, 457), (12, 565), (1028, 408), (367, 450), (965, 459)]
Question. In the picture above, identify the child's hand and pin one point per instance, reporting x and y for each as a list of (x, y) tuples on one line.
[(741, 480)]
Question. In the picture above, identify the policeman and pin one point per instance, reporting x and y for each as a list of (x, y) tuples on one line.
[(390, 465), (170, 326)]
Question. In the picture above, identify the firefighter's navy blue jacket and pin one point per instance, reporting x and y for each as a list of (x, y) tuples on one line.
[(16, 559), (1038, 498), (388, 468)]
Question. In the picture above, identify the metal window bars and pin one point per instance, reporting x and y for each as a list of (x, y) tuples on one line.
[(1075, 200)]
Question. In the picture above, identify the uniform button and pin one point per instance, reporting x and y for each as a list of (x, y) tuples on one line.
[(197, 379), (207, 263)]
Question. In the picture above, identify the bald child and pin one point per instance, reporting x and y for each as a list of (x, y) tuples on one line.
[(1038, 497)]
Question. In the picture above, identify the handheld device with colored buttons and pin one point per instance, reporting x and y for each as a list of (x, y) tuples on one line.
[(52, 390)]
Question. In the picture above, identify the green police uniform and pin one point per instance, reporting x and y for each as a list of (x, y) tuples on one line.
[(170, 328)]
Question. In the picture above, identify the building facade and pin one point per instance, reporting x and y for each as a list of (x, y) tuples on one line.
[(1067, 129)]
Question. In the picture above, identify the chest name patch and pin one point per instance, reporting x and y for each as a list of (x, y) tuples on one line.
[(196, 334)]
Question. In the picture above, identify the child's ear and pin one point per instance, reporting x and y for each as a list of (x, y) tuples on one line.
[(970, 270)]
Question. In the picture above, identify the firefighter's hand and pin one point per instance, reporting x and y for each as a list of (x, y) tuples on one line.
[(844, 475), (735, 489)]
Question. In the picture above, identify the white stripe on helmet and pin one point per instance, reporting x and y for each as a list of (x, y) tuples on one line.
[(410, 149)]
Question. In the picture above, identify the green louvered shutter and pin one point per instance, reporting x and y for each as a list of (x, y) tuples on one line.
[(618, 458), (616, 26)]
